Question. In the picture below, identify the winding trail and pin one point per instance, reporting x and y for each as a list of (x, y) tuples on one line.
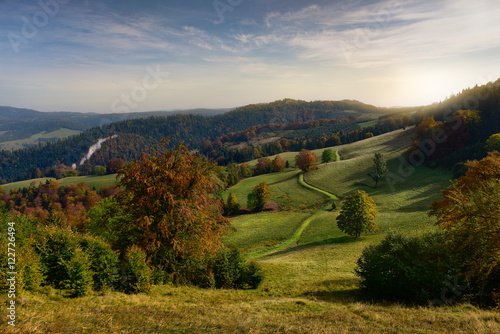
[(294, 240)]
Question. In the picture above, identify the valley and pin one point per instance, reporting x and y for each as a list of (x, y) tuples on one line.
[(309, 285)]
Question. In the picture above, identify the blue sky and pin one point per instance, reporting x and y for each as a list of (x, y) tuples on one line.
[(118, 56)]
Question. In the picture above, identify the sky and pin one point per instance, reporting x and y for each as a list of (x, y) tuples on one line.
[(129, 56)]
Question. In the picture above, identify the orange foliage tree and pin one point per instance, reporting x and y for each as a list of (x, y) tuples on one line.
[(306, 160), (50, 201), (470, 215), (170, 199), (278, 165)]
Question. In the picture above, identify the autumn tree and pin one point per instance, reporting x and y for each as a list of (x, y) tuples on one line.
[(278, 165), (306, 160), (98, 170), (327, 156), (244, 171), (170, 201), (358, 214), (380, 167), (493, 143), (257, 199), (232, 206), (263, 166), (470, 215), (114, 165)]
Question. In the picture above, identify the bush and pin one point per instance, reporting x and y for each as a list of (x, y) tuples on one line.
[(231, 271), (79, 282), (103, 261), (55, 246), (29, 268), (407, 269), (271, 206), (136, 275), (193, 271), (252, 276), (232, 207), (28, 265)]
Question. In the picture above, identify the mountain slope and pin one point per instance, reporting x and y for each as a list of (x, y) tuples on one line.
[(23, 127), (136, 136)]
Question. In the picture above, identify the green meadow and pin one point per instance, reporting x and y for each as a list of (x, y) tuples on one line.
[(309, 286), (93, 182)]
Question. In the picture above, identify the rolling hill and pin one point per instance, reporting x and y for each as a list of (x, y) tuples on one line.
[(308, 288), (20, 128), (138, 135)]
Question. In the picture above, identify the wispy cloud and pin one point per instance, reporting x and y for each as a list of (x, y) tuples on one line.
[(91, 51)]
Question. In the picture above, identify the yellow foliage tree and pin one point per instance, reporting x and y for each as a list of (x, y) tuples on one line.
[(358, 214)]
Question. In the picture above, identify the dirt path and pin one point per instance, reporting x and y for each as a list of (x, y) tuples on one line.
[(294, 240)]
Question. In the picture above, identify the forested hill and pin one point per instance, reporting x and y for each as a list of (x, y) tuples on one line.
[(485, 99), (466, 131), (17, 124), (138, 135)]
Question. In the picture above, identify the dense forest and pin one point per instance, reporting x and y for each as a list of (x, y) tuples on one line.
[(139, 135), (466, 121)]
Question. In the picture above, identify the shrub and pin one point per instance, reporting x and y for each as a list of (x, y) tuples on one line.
[(107, 221), (27, 265), (194, 271), (55, 246), (231, 271), (103, 261), (136, 275), (407, 268), (29, 268), (252, 275), (271, 206), (257, 199), (232, 207), (79, 282)]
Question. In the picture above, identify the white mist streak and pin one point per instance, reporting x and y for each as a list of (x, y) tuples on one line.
[(94, 148)]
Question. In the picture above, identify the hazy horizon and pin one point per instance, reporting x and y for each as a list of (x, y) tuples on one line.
[(128, 56)]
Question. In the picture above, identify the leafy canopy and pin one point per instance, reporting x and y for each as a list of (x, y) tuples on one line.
[(306, 160), (171, 204), (258, 198), (380, 168), (327, 156), (470, 215), (358, 214)]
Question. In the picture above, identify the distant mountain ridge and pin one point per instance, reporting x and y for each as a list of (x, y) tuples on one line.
[(135, 136)]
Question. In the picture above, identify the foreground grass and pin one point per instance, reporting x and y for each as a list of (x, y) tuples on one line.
[(190, 310)]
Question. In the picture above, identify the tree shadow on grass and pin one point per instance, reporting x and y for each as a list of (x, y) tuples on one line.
[(364, 185), (342, 290), (348, 291), (283, 180), (297, 247)]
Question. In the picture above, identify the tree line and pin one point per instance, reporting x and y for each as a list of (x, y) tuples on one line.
[(139, 135)]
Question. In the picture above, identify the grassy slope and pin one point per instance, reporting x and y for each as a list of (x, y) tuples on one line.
[(90, 180), (309, 288), (33, 140)]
